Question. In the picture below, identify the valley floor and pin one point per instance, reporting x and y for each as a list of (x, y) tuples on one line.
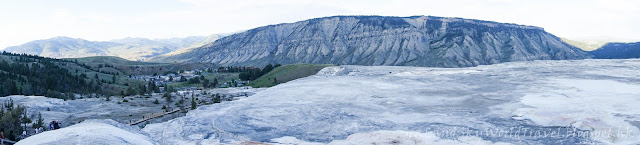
[(536, 102)]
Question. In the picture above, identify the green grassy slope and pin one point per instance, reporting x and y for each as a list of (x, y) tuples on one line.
[(287, 73), (123, 66)]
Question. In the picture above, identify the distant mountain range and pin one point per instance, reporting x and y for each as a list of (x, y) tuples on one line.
[(379, 40), (601, 49), (138, 49), (208, 40), (618, 51), (586, 45), (607, 49)]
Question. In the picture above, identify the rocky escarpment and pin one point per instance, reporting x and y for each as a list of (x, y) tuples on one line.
[(378, 40)]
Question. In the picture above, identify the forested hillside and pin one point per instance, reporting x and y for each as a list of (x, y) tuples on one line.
[(617, 51), (22, 74)]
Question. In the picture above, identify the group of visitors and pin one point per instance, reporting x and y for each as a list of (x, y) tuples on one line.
[(38, 130), (53, 125)]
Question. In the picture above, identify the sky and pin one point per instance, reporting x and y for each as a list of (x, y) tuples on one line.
[(22, 21)]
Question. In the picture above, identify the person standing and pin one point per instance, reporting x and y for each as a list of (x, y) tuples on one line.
[(56, 125)]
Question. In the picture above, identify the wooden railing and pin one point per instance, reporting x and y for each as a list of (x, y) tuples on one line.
[(3, 141)]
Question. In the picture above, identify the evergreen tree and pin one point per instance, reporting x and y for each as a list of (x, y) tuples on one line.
[(25, 119), (181, 101), (267, 69), (216, 98), (143, 89), (167, 96), (14, 89), (214, 84), (244, 76), (193, 103), (130, 91), (169, 89), (113, 80), (39, 122), (205, 83), (153, 88)]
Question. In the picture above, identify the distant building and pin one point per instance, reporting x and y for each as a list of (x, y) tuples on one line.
[(187, 74)]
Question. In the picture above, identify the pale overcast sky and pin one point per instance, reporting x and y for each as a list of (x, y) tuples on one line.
[(26, 20)]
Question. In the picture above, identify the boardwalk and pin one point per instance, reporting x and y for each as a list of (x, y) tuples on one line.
[(156, 115), (160, 114)]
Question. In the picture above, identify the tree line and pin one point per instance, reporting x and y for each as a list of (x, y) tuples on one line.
[(255, 73)]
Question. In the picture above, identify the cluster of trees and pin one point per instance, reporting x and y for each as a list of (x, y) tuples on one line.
[(104, 65), (210, 70), (246, 73), (207, 84), (151, 87), (231, 69), (13, 117), (195, 80), (34, 75), (216, 98), (204, 81), (255, 73)]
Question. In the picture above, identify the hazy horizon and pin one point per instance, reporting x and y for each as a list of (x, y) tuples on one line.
[(28, 20)]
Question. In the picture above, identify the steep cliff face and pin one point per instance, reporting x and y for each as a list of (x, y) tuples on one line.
[(618, 51), (378, 40)]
